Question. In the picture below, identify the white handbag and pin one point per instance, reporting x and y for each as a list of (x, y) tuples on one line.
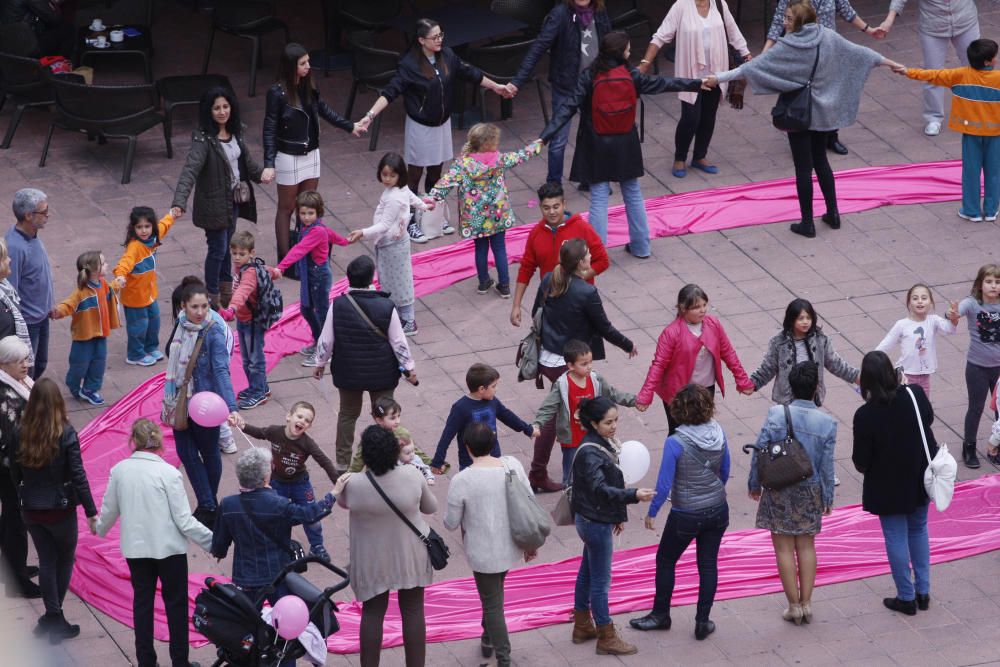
[(432, 222), (939, 478)]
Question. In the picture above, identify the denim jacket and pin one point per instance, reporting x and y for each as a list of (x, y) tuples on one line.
[(257, 558), (815, 430), (211, 372)]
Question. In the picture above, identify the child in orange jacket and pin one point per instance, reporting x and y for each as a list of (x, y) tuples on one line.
[(135, 276), (94, 308)]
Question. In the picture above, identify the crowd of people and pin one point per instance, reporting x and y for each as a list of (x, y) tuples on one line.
[(363, 334)]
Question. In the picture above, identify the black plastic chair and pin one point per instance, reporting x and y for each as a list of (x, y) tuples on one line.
[(352, 16), (25, 85), (625, 15), (373, 68), (500, 61), (177, 91), (246, 19), (532, 12), (116, 112)]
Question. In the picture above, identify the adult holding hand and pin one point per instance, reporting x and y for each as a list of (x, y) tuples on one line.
[(889, 452), (826, 12), (571, 310), (693, 474), (571, 34), (940, 23), (217, 161), (198, 351), (291, 135), (600, 503), (607, 141), (838, 69), (426, 79)]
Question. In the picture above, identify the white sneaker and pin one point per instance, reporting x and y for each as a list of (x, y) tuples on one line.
[(416, 234), (970, 218), (447, 229), (992, 218), (836, 481), (311, 362), (228, 445), (932, 129)]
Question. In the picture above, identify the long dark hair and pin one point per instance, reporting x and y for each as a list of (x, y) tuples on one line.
[(205, 120), (287, 69), (571, 253), (612, 53), (138, 214), (792, 312), (42, 422), (878, 378), (424, 27)]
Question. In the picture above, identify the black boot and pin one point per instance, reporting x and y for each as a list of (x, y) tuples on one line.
[(703, 629), (42, 628), (969, 455), (923, 601), (651, 621), (60, 629), (805, 228), (832, 219), (908, 607), (833, 143)]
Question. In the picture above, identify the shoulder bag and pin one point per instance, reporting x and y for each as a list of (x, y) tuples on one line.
[(793, 111), (736, 87), (563, 514), (241, 191), (174, 412), (293, 548), (782, 463), (529, 350), (436, 547), (939, 477), (529, 523)]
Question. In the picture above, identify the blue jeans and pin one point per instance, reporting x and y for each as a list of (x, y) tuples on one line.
[(143, 328), (198, 449), (39, 335), (319, 282), (218, 261), (87, 359), (906, 544), (499, 245), (300, 492), (557, 144), (252, 354), (568, 453), (980, 155), (635, 211), (593, 581)]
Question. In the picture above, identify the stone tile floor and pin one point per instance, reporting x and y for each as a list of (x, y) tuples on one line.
[(856, 278)]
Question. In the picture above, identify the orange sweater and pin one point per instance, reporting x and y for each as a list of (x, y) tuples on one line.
[(975, 97), (138, 267), (94, 309)]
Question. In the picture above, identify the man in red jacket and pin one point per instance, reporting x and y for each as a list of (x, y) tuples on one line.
[(544, 241)]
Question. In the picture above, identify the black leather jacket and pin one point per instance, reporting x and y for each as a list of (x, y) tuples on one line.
[(578, 313), (599, 492), (61, 485), (428, 101), (295, 130), (560, 36)]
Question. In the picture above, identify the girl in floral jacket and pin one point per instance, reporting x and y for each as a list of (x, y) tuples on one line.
[(484, 206)]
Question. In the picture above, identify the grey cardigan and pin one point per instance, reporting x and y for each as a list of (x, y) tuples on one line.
[(840, 75), (942, 18), (556, 404), (780, 357)]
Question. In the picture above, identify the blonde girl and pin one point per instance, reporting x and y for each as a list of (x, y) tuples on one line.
[(94, 308), (485, 213), (915, 335)]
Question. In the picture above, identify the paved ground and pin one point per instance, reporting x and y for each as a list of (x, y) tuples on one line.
[(855, 277)]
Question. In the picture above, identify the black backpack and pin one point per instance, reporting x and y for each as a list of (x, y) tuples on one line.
[(270, 305)]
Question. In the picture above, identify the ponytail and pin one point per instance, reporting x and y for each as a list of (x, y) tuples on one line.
[(571, 254), (590, 411), (87, 265)]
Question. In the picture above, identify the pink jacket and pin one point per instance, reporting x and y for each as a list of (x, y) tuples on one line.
[(673, 362)]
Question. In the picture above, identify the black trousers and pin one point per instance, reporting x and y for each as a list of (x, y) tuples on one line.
[(809, 155), (697, 122), (706, 527), (172, 573), (56, 547), (13, 536)]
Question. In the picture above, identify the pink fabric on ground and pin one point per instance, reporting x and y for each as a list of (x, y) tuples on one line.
[(850, 547)]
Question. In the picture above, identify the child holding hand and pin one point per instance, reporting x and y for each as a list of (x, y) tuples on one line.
[(387, 413)]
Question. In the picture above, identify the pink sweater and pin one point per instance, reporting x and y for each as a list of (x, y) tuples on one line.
[(316, 242), (683, 25)]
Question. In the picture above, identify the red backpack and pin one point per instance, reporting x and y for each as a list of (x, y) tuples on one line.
[(614, 101)]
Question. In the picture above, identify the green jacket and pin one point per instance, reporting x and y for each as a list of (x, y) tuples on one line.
[(556, 404)]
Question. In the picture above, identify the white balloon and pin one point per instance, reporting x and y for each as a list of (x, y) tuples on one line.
[(634, 461)]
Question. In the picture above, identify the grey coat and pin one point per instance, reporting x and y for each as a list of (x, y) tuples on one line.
[(840, 75), (207, 172), (780, 357), (556, 404)]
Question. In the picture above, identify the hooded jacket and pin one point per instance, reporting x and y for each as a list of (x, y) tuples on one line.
[(556, 404), (541, 250), (694, 469)]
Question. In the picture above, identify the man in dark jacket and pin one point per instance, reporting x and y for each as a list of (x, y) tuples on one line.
[(364, 338), (52, 30)]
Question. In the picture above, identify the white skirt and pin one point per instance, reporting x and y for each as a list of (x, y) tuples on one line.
[(293, 169), (427, 146)]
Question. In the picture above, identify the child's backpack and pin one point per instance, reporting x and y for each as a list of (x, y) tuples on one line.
[(613, 102), (269, 302)]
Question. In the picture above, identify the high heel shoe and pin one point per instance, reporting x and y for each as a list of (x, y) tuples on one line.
[(807, 612), (793, 614)]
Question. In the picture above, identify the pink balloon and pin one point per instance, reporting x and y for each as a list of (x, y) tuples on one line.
[(208, 409), (290, 616)]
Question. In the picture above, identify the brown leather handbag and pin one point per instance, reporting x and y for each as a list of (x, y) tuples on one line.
[(735, 88)]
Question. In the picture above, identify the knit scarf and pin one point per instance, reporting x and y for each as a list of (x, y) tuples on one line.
[(585, 15), (12, 300), (22, 387), (181, 348)]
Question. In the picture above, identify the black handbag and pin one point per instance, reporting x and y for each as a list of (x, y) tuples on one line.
[(793, 111), (436, 547), (293, 548), (782, 463)]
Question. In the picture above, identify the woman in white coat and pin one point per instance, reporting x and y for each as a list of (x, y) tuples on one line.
[(148, 493)]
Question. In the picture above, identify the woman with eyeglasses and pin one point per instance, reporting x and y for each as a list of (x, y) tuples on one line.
[(426, 79)]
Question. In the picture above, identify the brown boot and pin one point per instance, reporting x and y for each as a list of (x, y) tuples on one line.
[(225, 293), (609, 643), (543, 483), (583, 627)]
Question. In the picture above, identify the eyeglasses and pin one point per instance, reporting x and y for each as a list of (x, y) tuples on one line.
[(42, 213), (435, 38)]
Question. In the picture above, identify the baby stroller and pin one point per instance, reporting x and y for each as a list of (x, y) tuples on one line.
[(229, 619)]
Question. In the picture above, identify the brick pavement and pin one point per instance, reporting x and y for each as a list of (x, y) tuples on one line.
[(855, 278)]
